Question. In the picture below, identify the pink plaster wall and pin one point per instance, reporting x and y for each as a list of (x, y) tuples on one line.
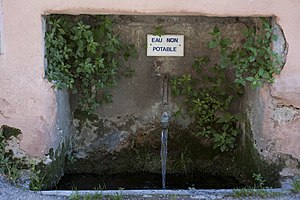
[(28, 102)]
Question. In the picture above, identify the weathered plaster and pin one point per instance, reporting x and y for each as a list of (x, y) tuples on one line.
[(28, 102)]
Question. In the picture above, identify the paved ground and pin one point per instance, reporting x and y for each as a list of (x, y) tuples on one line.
[(10, 192)]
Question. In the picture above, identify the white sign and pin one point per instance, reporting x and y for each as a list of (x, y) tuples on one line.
[(166, 45)]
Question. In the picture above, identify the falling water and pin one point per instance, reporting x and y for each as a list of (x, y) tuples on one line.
[(164, 146), (165, 117), (163, 155)]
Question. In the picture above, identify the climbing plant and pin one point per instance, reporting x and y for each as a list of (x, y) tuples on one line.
[(208, 98), (86, 56), (209, 90), (254, 61), (9, 166)]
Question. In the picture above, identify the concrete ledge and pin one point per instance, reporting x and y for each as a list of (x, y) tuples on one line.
[(191, 192)]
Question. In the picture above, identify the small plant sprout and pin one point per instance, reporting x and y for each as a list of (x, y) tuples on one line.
[(36, 177), (259, 180), (159, 31), (296, 186)]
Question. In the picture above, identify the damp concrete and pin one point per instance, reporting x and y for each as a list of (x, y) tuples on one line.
[(177, 194)]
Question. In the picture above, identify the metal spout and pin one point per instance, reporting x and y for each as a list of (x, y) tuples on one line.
[(165, 117)]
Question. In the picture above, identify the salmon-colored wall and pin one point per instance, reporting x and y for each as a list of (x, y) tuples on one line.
[(28, 102)]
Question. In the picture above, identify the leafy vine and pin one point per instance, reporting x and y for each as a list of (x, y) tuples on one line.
[(254, 61), (86, 56), (209, 91)]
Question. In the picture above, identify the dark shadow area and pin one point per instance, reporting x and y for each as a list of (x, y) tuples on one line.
[(144, 181)]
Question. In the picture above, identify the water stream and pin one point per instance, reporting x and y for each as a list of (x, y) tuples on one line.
[(163, 155), (164, 134), (164, 146)]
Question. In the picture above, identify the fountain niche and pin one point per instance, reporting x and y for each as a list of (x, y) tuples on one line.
[(138, 141)]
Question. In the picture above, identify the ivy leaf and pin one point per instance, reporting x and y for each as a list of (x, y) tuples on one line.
[(216, 30), (265, 75), (252, 58), (251, 79), (225, 127), (223, 147), (61, 31), (225, 42), (261, 71), (85, 54)]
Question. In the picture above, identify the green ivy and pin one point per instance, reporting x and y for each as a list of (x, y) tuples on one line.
[(208, 98), (254, 61), (209, 91), (8, 165), (86, 56)]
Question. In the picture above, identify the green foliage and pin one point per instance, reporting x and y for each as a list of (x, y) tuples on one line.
[(257, 190), (254, 61), (36, 177), (86, 56), (207, 97), (75, 196), (184, 163), (71, 159), (261, 193), (13, 171), (148, 162), (8, 166), (3, 158), (296, 186), (211, 87), (173, 197), (116, 196), (260, 181), (96, 196), (88, 196), (159, 31)]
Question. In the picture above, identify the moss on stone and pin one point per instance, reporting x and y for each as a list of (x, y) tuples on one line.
[(248, 160), (50, 174), (56, 168), (187, 153), (82, 115)]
